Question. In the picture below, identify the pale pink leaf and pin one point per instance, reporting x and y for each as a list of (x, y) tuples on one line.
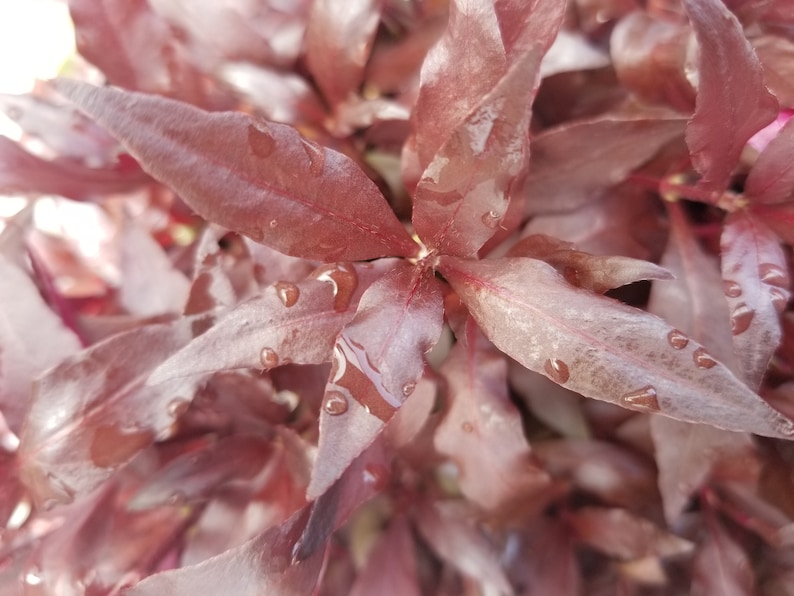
[(378, 360), (771, 179), (261, 179), (603, 349), (391, 566), (732, 101), (721, 567), (482, 430)]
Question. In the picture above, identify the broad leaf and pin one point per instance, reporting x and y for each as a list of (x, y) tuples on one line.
[(482, 430), (98, 409), (758, 289), (771, 179), (378, 360), (603, 349), (258, 178), (287, 323), (732, 101), (571, 162)]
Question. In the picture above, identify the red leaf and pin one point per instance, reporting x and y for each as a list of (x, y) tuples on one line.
[(732, 101), (378, 359), (482, 431), (603, 349), (98, 409), (463, 193), (618, 533), (287, 322), (572, 161), (758, 288), (260, 179), (721, 567), (391, 566), (338, 41), (33, 339), (771, 179)]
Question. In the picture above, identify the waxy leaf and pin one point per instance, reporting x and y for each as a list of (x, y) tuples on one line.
[(482, 430), (758, 288), (771, 179), (603, 349), (95, 411), (287, 323), (338, 40), (571, 162), (732, 101), (260, 179), (378, 360)]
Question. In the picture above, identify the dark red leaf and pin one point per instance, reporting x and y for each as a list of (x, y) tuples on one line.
[(338, 41), (570, 163), (378, 360), (603, 349), (482, 431), (260, 179), (758, 288), (732, 101), (771, 179)]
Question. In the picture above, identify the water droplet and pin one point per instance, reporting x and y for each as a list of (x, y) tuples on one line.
[(731, 289), (113, 446), (177, 407), (343, 278), (571, 275), (467, 427), (260, 140), (375, 475), (677, 339), (773, 275), (408, 389), (268, 358), (33, 576), (273, 224), (557, 370), (703, 359), (491, 219), (335, 403), (642, 399), (288, 293), (741, 317), (316, 156), (177, 498), (779, 299)]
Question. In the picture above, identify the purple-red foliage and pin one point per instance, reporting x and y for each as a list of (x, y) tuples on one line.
[(465, 297)]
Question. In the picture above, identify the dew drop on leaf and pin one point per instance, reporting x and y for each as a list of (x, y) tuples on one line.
[(491, 219), (731, 289), (177, 407), (642, 399), (343, 278), (773, 275), (557, 370), (177, 498), (741, 317), (268, 358), (779, 299), (375, 475), (261, 142), (316, 156), (703, 359), (288, 293), (467, 427), (32, 576), (408, 389), (335, 404), (677, 339)]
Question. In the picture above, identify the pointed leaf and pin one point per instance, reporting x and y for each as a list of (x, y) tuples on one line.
[(287, 322), (755, 270), (260, 179), (732, 101), (378, 360), (482, 431), (391, 567), (338, 40), (771, 179), (572, 161), (721, 567), (604, 349), (96, 410)]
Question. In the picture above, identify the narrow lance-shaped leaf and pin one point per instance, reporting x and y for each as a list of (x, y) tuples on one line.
[(604, 349), (287, 323), (378, 359), (96, 410), (721, 567), (258, 178), (391, 567), (771, 179), (758, 289), (482, 430), (732, 101)]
